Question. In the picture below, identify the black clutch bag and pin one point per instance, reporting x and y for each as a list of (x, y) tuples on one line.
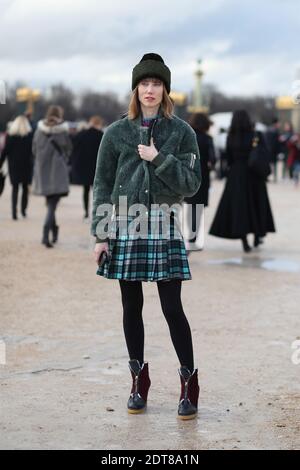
[(259, 159), (103, 258)]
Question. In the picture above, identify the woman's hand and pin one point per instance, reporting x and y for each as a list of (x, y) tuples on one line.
[(147, 152), (99, 247)]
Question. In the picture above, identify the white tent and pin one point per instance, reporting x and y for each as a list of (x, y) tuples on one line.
[(223, 121)]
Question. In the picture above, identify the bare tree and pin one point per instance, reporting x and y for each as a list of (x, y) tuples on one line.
[(64, 96), (107, 105), (261, 108)]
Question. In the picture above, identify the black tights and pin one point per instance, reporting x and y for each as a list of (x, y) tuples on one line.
[(86, 195), (170, 299), (14, 197), (52, 202)]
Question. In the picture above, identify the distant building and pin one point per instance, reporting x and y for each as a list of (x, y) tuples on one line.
[(288, 110), (180, 102)]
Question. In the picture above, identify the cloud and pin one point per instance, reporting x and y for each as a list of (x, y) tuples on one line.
[(247, 47), (61, 29)]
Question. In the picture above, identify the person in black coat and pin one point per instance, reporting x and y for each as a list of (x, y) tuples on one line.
[(244, 206), (201, 124), (17, 150), (85, 149)]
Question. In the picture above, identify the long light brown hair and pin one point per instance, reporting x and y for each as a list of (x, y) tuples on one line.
[(134, 108), (54, 115)]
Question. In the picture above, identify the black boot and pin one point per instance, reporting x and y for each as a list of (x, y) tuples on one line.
[(246, 247), (24, 200), (14, 212), (188, 404), (55, 233), (23, 207), (15, 189), (257, 241), (140, 386), (45, 239)]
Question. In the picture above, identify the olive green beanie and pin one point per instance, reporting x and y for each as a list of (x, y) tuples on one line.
[(151, 65)]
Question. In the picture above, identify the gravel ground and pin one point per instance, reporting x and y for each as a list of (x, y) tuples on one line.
[(66, 380)]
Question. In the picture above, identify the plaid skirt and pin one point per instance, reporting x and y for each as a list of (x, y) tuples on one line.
[(159, 254)]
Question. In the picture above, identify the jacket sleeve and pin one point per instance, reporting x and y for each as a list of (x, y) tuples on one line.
[(67, 146), (104, 180), (34, 144), (181, 171), (5, 151)]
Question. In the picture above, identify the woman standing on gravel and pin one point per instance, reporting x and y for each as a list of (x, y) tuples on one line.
[(149, 157)]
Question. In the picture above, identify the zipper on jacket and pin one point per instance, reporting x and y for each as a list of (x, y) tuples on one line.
[(152, 128), (192, 162)]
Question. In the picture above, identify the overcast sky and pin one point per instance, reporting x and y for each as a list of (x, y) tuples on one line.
[(249, 47)]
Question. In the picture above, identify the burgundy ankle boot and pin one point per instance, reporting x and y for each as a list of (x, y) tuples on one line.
[(188, 403), (140, 386)]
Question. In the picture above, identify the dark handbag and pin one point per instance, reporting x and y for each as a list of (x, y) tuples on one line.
[(104, 257), (2, 182), (259, 159), (61, 153)]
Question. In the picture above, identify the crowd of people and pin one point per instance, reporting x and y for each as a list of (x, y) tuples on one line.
[(50, 158), (51, 154), (284, 145)]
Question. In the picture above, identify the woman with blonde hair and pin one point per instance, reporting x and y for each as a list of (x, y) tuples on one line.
[(150, 159), (51, 148), (17, 150)]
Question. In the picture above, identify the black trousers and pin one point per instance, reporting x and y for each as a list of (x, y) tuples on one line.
[(51, 202), (86, 195), (170, 299), (14, 198)]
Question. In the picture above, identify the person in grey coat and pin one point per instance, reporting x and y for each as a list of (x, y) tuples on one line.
[(51, 148)]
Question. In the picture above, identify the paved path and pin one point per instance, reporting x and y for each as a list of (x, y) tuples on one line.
[(66, 356)]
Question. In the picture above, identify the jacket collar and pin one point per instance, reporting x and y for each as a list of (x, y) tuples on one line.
[(137, 122), (57, 129)]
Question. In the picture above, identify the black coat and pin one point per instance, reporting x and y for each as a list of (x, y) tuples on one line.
[(207, 155), (84, 157), (244, 206), (273, 143), (18, 151)]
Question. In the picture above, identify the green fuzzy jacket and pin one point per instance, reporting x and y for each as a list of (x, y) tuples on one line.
[(120, 171)]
